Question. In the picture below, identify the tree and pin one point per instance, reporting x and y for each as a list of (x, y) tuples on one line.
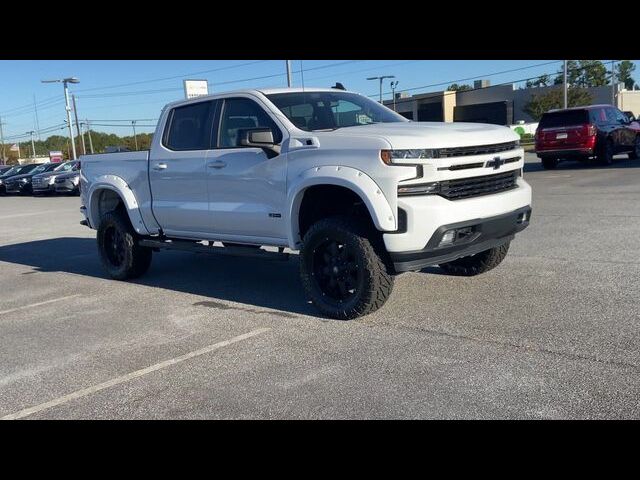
[(540, 104), (454, 87), (573, 73), (541, 81), (584, 73), (623, 73), (594, 73)]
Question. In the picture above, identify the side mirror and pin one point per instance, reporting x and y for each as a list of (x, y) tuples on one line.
[(257, 137)]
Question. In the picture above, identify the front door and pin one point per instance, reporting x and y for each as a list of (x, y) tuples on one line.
[(247, 185), (177, 170)]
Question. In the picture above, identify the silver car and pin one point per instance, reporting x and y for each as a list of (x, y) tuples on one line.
[(44, 183)]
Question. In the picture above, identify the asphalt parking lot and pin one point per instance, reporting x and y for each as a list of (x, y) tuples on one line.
[(554, 332)]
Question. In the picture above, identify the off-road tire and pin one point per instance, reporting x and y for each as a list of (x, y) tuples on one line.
[(133, 260), (478, 263), (549, 163), (635, 154), (364, 245), (605, 155)]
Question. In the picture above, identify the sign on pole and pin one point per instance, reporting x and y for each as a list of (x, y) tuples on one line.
[(195, 88), (55, 156)]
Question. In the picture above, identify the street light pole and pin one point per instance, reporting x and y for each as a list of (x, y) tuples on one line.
[(65, 82), (564, 83), (2, 140), (393, 93), (33, 145), (381, 80), (289, 79)]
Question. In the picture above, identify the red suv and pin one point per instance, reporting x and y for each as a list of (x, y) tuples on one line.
[(582, 133)]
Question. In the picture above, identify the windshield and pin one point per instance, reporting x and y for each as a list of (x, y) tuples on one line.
[(65, 167), (331, 110), (41, 168), (564, 118), (11, 171)]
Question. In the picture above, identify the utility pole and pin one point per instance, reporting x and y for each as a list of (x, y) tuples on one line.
[(2, 139), (89, 132), (289, 79), (75, 113), (65, 82), (613, 83), (135, 139), (35, 108), (33, 145), (84, 148), (381, 80), (564, 84)]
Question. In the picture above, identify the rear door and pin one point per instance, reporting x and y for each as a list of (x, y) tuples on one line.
[(627, 133), (177, 170)]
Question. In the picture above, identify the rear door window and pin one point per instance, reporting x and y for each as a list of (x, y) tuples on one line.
[(566, 118), (189, 127), (598, 116)]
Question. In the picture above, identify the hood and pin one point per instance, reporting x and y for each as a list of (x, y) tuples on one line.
[(19, 177), (67, 175), (48, 174), (406, 135)]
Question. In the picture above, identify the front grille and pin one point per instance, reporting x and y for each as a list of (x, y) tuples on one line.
[(476, 150), (477, 186)]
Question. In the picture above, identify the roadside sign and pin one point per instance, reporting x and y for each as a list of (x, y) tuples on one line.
[(195, 88), (55, 156)]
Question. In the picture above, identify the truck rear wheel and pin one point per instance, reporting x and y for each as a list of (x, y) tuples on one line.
[(549, 163), (342, 268), (120, 254), (478, 263)]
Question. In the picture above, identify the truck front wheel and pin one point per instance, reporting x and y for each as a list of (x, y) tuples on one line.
[(478, 263), (120, 254), (342, 268)]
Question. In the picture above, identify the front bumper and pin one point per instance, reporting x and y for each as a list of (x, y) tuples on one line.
[(484, 233), (66, 186), (17, 187)]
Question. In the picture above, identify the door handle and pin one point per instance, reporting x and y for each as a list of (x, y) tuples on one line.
[(218, 164), (160, 166)]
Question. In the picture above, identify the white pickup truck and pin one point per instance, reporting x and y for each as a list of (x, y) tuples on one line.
[(363, 193)]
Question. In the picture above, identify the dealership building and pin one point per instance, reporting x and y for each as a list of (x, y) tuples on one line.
[(499, 104)]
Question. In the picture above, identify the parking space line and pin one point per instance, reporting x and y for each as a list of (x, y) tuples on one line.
[(130, 376), (18, 215), (40, 303)]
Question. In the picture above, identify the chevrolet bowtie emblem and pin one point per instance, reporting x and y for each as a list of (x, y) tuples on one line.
[(495, 163)]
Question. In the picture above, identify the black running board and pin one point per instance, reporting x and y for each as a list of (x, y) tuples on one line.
[(189, 246)]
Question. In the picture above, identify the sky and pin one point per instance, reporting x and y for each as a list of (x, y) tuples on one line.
[(114, 90)]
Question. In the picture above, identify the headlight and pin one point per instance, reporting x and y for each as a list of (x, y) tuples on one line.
[(24, 180), (0, 181), (422, 189), (51, 180), (398, 156), (75, 180)]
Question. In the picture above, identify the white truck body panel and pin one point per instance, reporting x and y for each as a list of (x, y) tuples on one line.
[(256, 199)]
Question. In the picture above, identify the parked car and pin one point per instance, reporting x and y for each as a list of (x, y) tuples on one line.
[(68, 183), (13, 171), (22, 183), (4, 169), (582, 133), (44, 183), (361, 191)]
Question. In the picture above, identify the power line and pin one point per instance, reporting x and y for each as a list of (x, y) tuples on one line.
[(213, 84), (172, 77)]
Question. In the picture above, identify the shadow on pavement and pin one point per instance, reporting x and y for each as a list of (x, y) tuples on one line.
[(262, 283)]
